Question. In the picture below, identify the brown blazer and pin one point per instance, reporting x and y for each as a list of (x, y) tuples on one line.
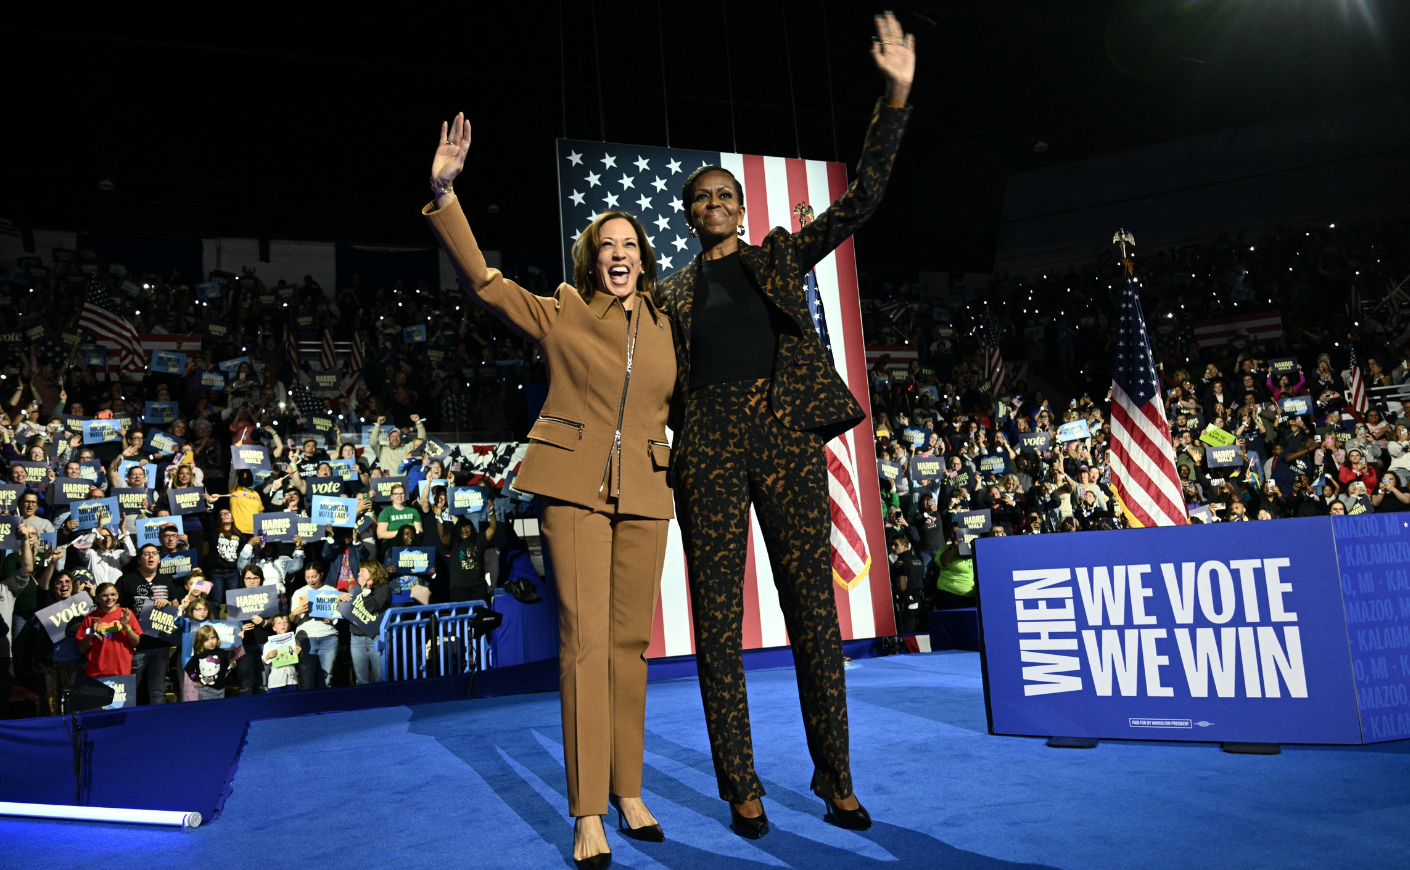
[(574, 454)]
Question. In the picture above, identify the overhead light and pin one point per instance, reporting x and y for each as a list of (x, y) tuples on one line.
[(172, 818), (1040, 146), (106, 184)]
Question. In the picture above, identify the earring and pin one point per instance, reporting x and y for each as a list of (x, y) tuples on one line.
[(741, 231), (691, 231)]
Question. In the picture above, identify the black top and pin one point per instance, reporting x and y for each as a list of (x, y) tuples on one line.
[(733, 336)]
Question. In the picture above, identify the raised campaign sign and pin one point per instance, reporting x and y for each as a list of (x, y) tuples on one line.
[(332, 511), (277, 528), (252, 601), (186, 500), (249, 456), (149, 529), (56, 617)]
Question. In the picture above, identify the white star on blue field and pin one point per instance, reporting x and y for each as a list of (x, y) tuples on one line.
[(641, 180)]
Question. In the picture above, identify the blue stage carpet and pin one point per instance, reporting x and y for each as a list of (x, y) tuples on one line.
[(479, 784)]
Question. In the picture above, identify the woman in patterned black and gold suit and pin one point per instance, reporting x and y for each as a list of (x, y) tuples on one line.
[(758, 398)]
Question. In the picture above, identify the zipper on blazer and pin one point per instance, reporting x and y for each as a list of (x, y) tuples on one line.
[(578, 426), (616, 448)]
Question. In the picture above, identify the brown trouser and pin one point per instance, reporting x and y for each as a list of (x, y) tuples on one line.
[(607, 568)]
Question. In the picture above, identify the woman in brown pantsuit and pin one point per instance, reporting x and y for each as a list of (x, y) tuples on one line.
[(598, 457)]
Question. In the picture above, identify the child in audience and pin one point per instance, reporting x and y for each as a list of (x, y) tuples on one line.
[(209, 666), (285, 678)]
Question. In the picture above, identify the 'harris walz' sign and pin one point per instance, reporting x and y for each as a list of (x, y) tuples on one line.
[(1213, 633)]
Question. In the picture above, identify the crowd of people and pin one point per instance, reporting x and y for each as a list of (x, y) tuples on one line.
[(135, 491), (246, 385), (1336, 291)]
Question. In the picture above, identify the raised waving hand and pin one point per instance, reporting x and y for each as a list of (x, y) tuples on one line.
[(450, 157)]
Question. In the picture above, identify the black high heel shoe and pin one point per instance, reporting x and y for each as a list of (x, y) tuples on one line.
[(749, 829), (600, 861), (646, 833), (853, 820)]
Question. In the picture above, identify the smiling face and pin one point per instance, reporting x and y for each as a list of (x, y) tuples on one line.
[(618, 263), (108, 598), (715, 206)]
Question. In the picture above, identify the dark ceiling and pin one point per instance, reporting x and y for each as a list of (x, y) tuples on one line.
[(305, 124)]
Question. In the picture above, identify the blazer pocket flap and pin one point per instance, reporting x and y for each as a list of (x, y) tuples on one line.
[(660, 453), (559, 434)]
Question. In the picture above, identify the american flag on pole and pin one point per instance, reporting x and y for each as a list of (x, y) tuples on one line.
[(355, 357), (646, 181), (291, 350), (994, 371), (895, 308), (112, 330), (1357, 396), (1142, 456), (850, 559), (328, 357)]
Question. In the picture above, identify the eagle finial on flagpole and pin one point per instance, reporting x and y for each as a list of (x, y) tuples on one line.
[(1123, 239), (804, 213)]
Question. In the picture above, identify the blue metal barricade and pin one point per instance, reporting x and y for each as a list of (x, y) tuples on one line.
[(432, 640)]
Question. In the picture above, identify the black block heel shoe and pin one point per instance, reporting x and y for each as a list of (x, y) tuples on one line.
[(646, 833), (749, 829), (853, 820)]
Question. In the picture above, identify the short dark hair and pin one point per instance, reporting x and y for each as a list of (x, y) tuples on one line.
[(690, 187)]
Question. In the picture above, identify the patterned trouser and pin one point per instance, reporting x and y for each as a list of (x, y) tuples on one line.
[(735, 451)]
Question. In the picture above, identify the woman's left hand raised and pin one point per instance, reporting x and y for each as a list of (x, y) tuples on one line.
[(894, 51)]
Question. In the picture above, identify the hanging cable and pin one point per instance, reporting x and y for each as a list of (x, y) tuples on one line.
[(792, 101), (729, 75), (597, 65), (563, 75), (562, 71), (665, 99), (831, 110)]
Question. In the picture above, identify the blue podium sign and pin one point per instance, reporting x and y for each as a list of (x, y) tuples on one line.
[(1231, 632)]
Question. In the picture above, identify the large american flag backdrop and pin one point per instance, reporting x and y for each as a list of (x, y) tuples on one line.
[(645, 182)]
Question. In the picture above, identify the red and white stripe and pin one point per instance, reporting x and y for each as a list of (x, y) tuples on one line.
[(147, 343), (1258, 328), (355, 357), (328, 357), (291, 349), (1143, 462), (892, 309), (772, 186), (1357, 394), (900, 355), (994, 369), (116, 334)]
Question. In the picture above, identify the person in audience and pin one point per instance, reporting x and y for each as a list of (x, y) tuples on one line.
[(282, 678), (396, 515), (317, 637), (374, 595), (209, 665), (107, 638), (275, 569)]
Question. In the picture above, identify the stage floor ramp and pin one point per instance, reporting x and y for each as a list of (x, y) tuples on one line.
[(479, 784)]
